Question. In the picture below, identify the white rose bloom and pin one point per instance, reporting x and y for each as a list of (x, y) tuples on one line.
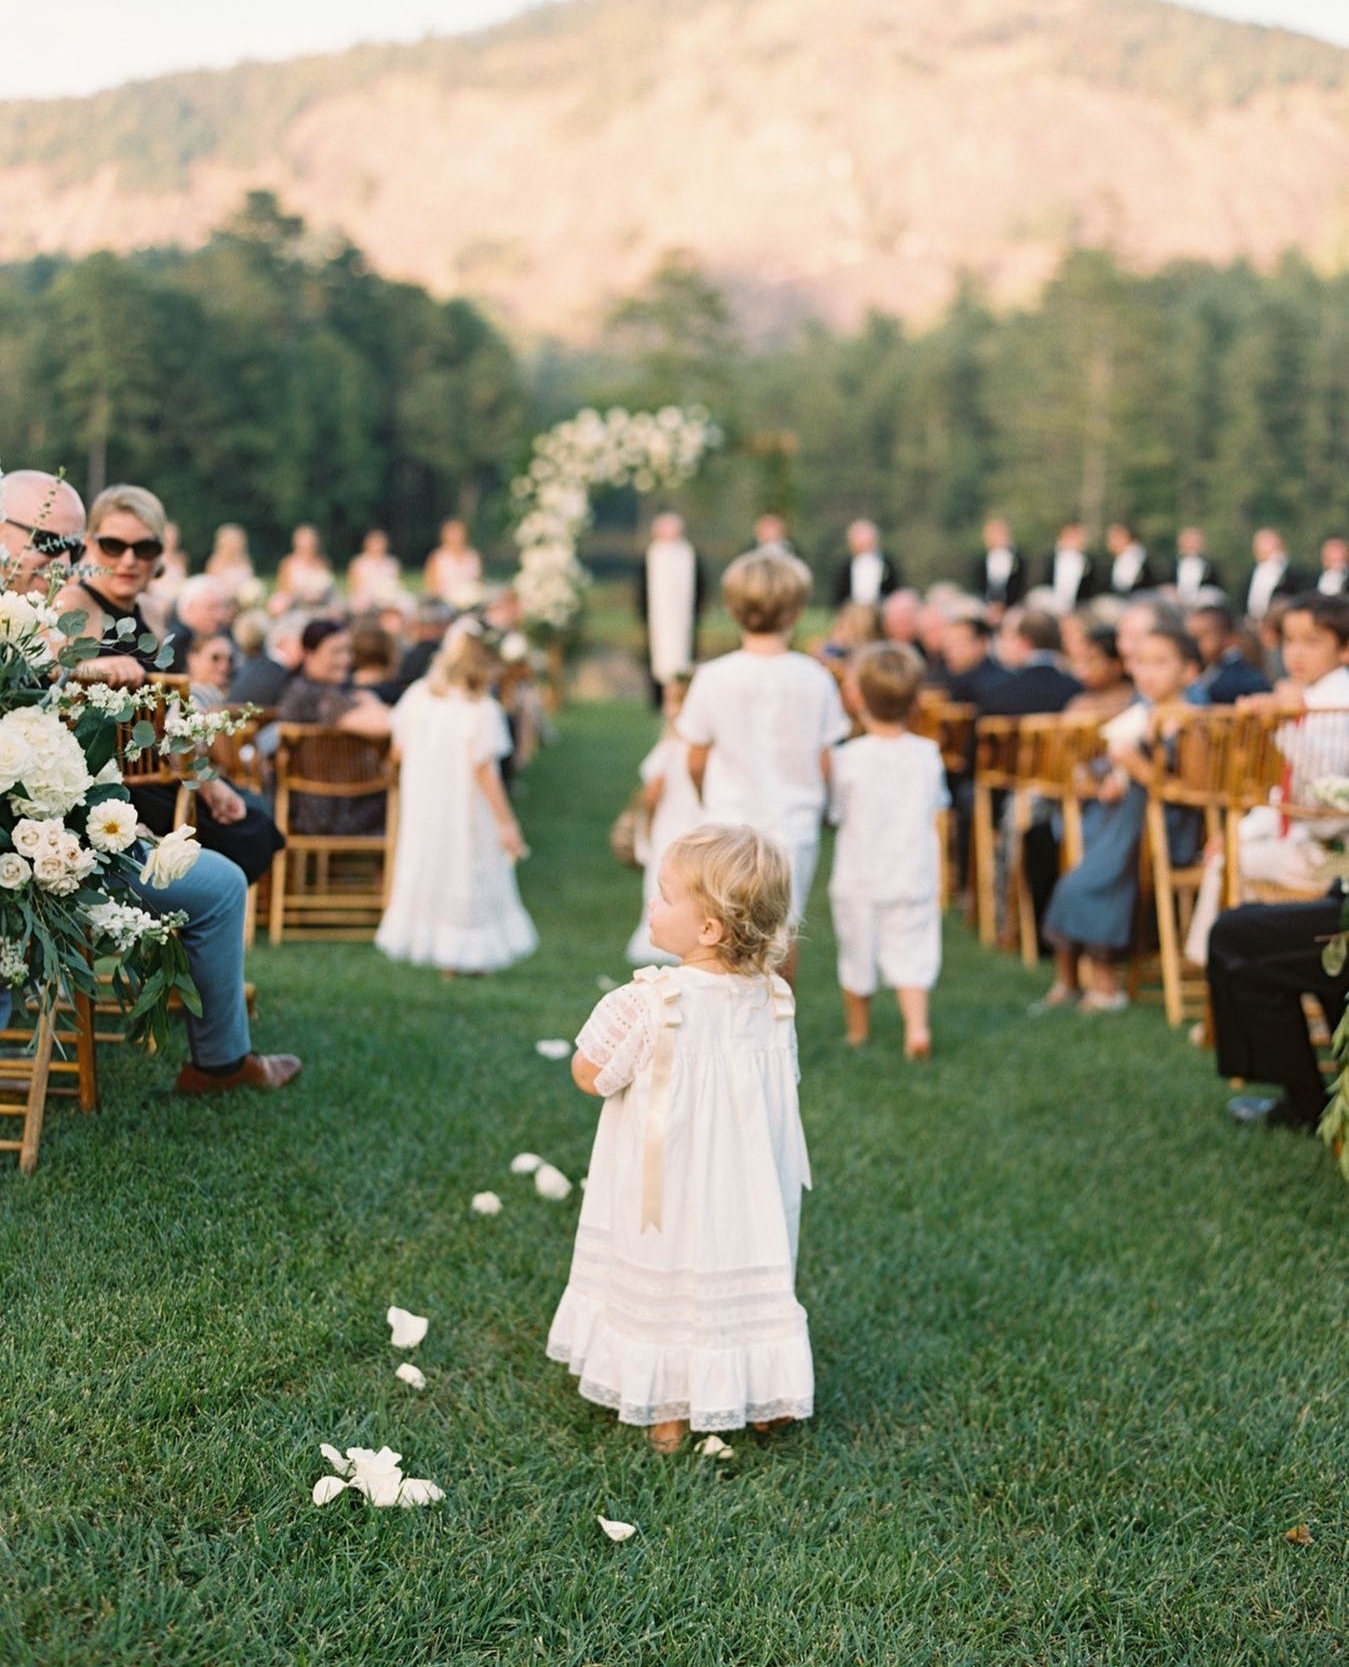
[(112, 825), (51, 873), (15, 871), (172, 858), (29, 836)]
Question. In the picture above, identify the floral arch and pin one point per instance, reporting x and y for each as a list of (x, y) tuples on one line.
[(652, 451)]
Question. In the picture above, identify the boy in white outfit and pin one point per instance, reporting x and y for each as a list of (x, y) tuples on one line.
[(885, 890), (760, 722)]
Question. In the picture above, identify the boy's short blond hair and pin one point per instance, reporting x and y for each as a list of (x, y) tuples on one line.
[(766, 590), (744, 880), (889, 676)]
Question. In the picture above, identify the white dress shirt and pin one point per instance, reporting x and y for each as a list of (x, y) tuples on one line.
[(1260, 592), (1069, 567), (866, 574)]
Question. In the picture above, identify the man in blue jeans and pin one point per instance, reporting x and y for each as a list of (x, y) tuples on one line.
[(41, 520)]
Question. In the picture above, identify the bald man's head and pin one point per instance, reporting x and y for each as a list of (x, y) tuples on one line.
[(41, 519)]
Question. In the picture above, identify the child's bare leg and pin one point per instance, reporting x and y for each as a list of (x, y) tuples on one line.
[(856, 1018), (1104, 977), (668, 1437), (1065, 968), (917, 1033)]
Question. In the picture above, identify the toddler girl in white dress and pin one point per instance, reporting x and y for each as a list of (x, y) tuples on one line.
[(454, 902), (680, 1310), (671, 801)]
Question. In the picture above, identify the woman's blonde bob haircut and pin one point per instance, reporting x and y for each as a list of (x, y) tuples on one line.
[(743, 879), (128, 500), (765, 591)]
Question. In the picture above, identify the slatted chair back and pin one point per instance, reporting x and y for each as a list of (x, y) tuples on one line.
[(995, 765), (1286, 762)]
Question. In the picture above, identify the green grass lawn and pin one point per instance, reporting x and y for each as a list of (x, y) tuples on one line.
[(1080, 1344)]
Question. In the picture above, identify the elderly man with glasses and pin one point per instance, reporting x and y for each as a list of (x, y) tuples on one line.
[(41, 520)]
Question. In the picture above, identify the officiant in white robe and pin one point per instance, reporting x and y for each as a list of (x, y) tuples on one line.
[(669, 597)]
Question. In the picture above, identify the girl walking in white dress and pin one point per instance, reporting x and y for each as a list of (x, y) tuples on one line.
[(680, 1311), (454, 902), (671, 800)]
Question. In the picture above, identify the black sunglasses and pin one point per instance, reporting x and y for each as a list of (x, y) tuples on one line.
[(144, 549), (47, 543)]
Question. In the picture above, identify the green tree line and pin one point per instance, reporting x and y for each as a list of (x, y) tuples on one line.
[(271, 377)]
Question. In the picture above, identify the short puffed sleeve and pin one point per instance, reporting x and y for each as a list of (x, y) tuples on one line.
[(620, 1036), (492, 737)]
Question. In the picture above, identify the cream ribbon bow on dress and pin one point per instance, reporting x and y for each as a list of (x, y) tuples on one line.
[(658, 1100)]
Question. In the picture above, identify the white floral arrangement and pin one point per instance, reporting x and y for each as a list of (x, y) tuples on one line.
[(652, 451)]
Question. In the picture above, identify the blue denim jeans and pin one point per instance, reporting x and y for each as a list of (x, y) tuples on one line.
[(212, 895)]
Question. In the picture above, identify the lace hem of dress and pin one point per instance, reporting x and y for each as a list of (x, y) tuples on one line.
[(666, 1412)]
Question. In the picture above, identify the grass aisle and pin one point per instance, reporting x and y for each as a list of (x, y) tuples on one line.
[(1080, 1344)]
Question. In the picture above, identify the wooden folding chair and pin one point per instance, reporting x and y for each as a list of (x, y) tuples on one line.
[(332, 885), (1051, 759), (57, 1044), (951, 725)]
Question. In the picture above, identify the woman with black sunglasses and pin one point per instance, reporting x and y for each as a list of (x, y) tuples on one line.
[(124, 542)]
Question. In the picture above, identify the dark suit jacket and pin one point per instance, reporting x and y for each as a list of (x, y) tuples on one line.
[(842, 592), (1017, 581), (259, 680), (1296, 581), (1029, 690), (1209, 574), (1092, 582), (975, 688), (1231, 677)]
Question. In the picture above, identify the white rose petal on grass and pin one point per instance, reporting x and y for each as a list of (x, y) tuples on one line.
[(327, 1488), (408, 1329), (713, 1447), (376, 1474), (411, 1375), (553, 1047), (551, 1183), (617, 1531), (416, 1490), (339, 1463), (525, 1163), (485, 1204)]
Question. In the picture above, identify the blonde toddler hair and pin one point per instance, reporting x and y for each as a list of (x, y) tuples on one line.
[(463, 662), (766, 591), (743, 879)]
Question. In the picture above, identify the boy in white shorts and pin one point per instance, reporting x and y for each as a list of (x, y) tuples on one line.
[(760, 722), (885, 889)]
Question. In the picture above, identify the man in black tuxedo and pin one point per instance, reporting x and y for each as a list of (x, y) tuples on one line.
[(1029, 648), (1227, 674), (867, 576), (1262, 959), (1131, 568), (1273, 576), (998, 577), (1069, 571), (1193, 572), (1334, 576)]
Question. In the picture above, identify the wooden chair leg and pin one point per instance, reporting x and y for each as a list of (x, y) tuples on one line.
[(35, 1107), (1018, 884), (86, 1052), (985, 868), (277, 914)]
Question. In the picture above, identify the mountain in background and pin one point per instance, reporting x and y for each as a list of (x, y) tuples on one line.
[(812, 158)]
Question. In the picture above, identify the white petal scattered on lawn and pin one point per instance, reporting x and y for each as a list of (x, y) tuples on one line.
[(408, 1373), (550, 1182), (377, 1475), (605, 983), (341, 1465), (416, 1490), (525, 1163), (485, 1204), (407, 1329), (327, 1488), (617, 1531), (713, 1447), (553, 1047)]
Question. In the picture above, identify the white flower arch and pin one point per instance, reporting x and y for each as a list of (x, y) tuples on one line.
[(652, 451)]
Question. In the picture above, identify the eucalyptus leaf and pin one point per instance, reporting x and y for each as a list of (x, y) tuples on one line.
[(71, 624), (143, 734), (1335, 954), (147, 642)]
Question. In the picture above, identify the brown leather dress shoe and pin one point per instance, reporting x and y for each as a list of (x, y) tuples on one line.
[(259, 1070)]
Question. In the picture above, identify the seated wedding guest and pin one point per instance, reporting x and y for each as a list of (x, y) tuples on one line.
[(260, 678), (854, 626), (1130, 568), (1273, 575), (998, 577), (866, 575), (374, 574), (971, 670), (1028, 646), (933, 619), (126, 526), (431, 619), (899, 617), (1143, 616), (163, 589), (1194, 573), (374, 660), (453, 570), (1334, 567), (1228, 671), (304, 575), (1263, 958), (212, 894), (1068, 571), (1097, 666), (204, 607), (209, 660), (321, 693), (228, 563)]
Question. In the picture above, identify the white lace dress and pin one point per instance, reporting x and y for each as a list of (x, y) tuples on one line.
[(693, 1315), (454, 901)]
